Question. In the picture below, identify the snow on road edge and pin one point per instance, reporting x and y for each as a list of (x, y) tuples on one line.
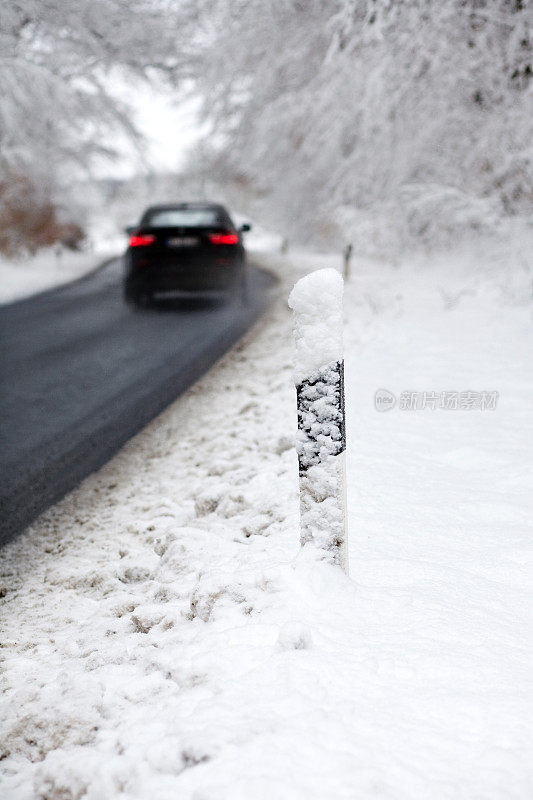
[(48, 269)]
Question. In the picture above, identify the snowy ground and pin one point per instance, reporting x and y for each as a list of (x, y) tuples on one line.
[(23, 277), (165, 638)]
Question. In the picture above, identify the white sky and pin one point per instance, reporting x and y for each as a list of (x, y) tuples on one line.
[(170, 127)]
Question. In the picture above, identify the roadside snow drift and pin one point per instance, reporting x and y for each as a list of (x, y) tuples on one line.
[(51, 267)]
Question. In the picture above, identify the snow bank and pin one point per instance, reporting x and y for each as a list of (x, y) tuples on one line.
[(317, 304), (47, 269)]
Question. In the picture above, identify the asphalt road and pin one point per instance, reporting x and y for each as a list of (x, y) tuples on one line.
[(81, 372)]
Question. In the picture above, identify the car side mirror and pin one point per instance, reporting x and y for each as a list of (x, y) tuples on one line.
[(129, 229), (245, 227)]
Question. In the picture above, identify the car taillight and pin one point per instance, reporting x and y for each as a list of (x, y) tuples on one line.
[(141, 239), (223, 238)]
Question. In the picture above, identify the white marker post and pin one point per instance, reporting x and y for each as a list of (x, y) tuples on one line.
[(321, 440)]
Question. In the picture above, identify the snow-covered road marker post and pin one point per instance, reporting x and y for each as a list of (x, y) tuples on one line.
[(347, 260), (321, 439)]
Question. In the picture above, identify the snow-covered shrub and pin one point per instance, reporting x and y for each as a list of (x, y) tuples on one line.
[(29, 220), (431, 211)]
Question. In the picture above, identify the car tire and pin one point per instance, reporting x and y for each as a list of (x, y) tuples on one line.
[(143, 300), (140, 298)]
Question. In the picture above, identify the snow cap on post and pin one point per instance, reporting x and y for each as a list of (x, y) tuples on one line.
[(317, 304)]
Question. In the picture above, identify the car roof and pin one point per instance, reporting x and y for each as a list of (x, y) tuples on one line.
[(195, 204)]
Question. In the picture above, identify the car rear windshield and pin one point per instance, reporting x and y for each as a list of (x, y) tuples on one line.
[(183, 218)]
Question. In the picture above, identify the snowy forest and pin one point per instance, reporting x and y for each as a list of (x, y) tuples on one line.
[(393, 120)]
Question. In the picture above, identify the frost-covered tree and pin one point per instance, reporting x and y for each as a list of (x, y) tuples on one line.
[(330, 113), (422, 106), (59, 62)]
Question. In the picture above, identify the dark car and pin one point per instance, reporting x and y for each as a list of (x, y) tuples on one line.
[(184, 248)]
